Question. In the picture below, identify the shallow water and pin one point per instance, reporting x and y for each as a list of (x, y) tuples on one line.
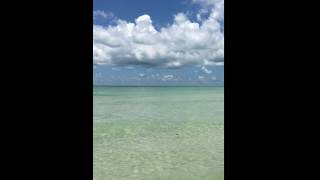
[(158, 133)]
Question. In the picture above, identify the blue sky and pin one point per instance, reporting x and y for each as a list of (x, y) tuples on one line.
[(158, 42)]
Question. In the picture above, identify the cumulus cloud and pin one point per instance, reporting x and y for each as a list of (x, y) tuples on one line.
[(216, 6), (201, 13), (180, 44)]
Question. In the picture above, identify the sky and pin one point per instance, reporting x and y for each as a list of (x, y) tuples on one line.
[(158, 42)]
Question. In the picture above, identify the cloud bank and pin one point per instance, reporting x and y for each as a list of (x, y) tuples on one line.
[(180, 44)]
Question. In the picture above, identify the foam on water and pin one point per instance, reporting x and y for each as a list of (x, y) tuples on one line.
[(158, 133)]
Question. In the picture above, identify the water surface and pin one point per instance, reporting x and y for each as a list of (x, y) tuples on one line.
[(158, 133)]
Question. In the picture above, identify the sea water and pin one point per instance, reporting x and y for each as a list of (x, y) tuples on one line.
[(160, 133)]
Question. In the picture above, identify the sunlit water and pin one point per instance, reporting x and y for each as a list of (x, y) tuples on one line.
[(158, 133)]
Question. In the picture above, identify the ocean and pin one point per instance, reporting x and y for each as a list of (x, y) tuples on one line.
[(159, 133)]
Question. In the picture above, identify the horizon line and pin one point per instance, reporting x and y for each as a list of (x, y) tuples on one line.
[(158, 85)]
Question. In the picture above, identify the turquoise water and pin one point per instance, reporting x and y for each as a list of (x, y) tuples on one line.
[(158, 133)]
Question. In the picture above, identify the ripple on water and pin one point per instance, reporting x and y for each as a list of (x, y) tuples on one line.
[(166, 136)]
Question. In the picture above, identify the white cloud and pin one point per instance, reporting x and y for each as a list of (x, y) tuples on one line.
[(219, 64), (207, 71), (102, 14), (141, 74), (182, 43), (215, 6), (167, 77), (201, 13)]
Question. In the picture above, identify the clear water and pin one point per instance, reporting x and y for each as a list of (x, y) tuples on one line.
[(158, 133)]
